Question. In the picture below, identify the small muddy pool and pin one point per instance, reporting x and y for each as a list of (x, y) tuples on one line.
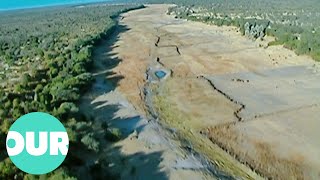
[(160, 74)]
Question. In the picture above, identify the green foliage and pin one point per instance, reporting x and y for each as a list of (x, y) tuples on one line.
[(82, 126), (7, 169), (5, 125), (66, 110), (315, 54), (274, 43), (91, 142), (25, 79), (58, 174), (46, 58), (113, 135), (60, 93), (72, 134), (30, 177), (61, 173)]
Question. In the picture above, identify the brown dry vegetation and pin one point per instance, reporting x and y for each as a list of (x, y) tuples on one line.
[(264, 161)]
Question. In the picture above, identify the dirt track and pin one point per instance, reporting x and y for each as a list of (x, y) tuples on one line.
[(261, 105)]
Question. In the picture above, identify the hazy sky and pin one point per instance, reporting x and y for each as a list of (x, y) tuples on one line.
[(18, 4)]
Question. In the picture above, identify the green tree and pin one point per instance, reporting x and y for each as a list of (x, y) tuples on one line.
[(90, 142), (7, 169)]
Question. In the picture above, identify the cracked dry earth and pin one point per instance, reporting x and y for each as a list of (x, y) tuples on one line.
[(243, 106)]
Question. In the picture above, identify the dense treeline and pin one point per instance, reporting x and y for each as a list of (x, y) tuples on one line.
[(295, 24), (45, 61)]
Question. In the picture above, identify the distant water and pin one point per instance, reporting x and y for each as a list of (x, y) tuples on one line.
[(24, 4)]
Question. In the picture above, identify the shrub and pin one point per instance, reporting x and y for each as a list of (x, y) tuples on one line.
[(90, 142), (113, 134), (7, 169), (60, 173)]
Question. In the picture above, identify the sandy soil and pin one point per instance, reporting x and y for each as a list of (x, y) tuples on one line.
[(221, 87)]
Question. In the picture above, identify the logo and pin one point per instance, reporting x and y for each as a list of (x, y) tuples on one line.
[(37, 143)]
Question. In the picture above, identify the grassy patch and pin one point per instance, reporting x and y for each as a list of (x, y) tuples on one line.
[(275, 43)]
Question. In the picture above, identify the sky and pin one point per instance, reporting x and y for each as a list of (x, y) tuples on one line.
[(21, 4)]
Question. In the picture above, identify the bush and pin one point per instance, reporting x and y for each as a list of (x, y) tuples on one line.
[(113, 134), (90, 142), (5, 125), (73, 136), (7, 169), (83, 126), (60, 173)]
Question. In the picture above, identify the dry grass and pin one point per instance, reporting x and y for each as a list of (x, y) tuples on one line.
[(181, 70), (264, 160), (172, 117)]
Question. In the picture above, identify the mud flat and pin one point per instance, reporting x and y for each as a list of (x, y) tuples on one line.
[(245, 107)]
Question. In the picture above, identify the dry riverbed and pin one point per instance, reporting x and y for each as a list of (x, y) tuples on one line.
[(226, 106)]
